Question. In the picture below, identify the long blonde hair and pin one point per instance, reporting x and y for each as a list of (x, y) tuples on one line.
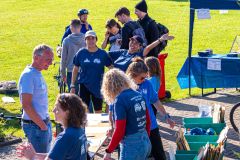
[(114, 82)]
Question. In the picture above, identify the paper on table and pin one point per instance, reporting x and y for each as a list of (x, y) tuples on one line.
[(203, 14), (95, 142), (214, 64)]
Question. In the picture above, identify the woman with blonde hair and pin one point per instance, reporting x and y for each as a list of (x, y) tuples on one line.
[(138, 71), (130, 115)]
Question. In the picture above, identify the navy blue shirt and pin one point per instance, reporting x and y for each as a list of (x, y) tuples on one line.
[(91, 68), (122, 59), (71, 144), (130, 106), (151, 97), (68, 30)]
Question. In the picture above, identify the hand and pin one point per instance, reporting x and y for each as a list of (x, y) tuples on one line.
[(166, 37), (86, 25), (43, 127), (64, 78), (107, 156), (119, 41), (26, 150), (110, 132), (107, 34), (72, 90), (171, 123)]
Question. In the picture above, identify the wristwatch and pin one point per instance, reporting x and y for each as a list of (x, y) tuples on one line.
[(167, 116)]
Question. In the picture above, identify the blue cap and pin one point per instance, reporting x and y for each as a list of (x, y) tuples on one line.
[(138, 39), (82, 11)]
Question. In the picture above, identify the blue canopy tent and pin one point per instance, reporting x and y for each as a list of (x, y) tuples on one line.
[(206, 4)]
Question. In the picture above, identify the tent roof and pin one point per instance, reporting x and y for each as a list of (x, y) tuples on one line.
[(215, 4)]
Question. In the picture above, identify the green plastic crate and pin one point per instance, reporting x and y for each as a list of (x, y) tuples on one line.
[(185, 155), (201, 138), (206, 120), (218, 127)]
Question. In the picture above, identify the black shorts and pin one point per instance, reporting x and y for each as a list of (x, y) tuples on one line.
[(87, 96)]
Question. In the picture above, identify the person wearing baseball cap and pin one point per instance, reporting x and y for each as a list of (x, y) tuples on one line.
[(92, 61), (85, 26), (122, 58)]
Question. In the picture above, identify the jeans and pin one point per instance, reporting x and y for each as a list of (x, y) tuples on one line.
[(135, 147), (69, 79), (41, 140)]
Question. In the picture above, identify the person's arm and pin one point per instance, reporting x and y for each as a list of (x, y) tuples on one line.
[(63, 63), (119, 131), (28, 108), (155, 43), (74, 77), (105, 42), (26, 150), (158, 105), (148, 122)]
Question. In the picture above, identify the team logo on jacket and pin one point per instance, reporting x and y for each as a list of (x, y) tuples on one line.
[(86, 61), (97, 61)]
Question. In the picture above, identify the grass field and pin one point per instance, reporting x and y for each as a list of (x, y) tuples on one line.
[(26, 23)]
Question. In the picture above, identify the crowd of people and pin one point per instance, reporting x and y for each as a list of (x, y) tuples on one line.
[(129, 89)]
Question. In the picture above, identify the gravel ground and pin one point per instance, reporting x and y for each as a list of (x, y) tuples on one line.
[(180, 109)]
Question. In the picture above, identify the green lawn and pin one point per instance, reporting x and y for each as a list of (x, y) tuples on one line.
[(24, 24)]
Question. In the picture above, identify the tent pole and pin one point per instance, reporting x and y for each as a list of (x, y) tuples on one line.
[(191, 24)]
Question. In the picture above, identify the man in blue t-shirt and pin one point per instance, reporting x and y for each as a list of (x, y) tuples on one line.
[(34, 99), (83, 15)]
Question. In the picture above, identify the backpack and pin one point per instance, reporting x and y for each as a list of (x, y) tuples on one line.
[(162, 30), (137, 30)]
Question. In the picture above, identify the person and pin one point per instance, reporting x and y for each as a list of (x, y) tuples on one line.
[(150, 27), (85, 26), (138, 71), (112, 35), (34, 100), (70, 112), (122, 58), (123, 15), (71, 45), (92, 61), (154, 75), (130, 117)]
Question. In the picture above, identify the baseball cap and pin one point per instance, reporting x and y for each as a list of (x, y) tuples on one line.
[(138, 39), (82, 11), (90, 33)]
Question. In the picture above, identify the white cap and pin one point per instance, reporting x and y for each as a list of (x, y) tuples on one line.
[(90, 33)]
